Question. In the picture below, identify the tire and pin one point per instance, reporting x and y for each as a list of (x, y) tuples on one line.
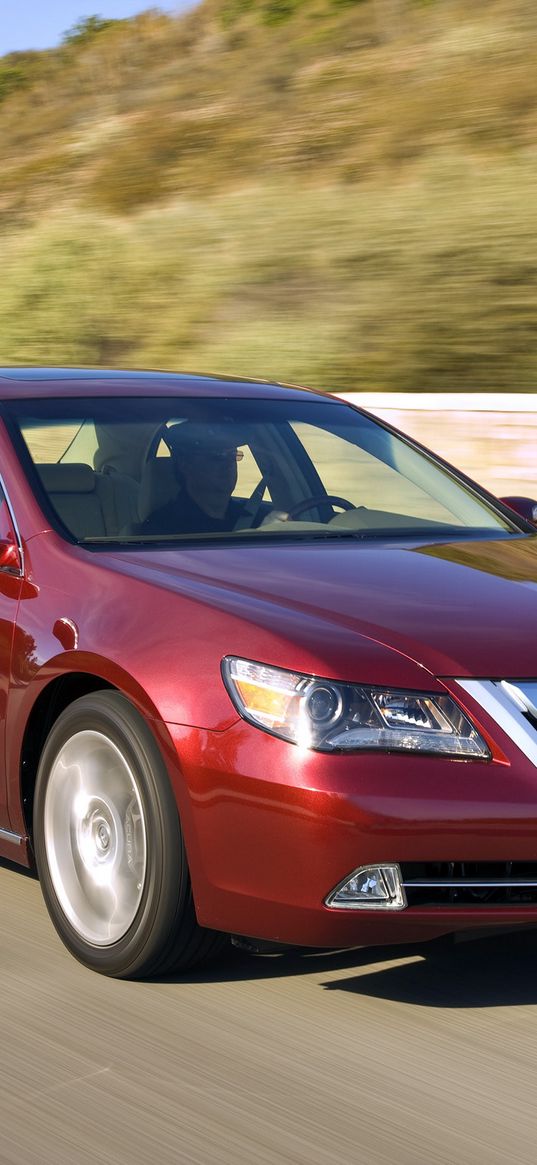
[(109, 848)]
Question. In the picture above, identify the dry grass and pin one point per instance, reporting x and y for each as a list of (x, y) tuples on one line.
[(344, 195), (408, 288), (349, 92)]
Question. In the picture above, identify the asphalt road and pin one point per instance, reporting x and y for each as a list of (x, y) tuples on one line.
[(383, 1057)]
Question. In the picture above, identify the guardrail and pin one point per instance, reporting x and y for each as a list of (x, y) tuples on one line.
[(491, 436)]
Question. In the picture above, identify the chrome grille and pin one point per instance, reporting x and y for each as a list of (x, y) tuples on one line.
[(470, 883)]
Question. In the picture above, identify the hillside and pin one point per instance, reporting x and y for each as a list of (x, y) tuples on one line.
[(336, 191)]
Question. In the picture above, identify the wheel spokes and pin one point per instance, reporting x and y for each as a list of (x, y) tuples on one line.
[(95, 837)]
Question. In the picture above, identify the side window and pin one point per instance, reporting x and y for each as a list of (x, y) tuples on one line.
[(50, 443), (349, 471), (248, 473)]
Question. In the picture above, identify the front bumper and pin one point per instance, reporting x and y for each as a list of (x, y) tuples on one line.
[(271, 830)]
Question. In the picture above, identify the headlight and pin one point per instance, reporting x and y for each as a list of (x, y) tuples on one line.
[(333, 717)]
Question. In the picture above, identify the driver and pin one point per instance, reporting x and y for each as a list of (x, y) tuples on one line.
[(205, 462)]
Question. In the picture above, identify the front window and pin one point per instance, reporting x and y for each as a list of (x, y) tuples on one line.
[(151, 471)]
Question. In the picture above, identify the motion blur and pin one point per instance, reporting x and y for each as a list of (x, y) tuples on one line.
[(338, 192)]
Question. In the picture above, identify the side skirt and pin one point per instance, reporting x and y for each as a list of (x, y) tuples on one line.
[(15, 848)]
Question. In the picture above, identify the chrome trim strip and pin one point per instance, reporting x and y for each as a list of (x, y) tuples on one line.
[(14, 838), (15, 528), (523, 694), (459, 883), (493, 697)]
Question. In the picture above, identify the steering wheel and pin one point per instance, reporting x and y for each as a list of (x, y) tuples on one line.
[(319, 500)]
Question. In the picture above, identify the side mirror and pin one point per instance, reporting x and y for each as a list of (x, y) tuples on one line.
[(10, 559), (524, 507)]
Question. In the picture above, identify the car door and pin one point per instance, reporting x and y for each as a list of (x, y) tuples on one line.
[(11, 574)]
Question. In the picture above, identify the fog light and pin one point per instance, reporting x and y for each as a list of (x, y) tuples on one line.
[(373, 887)]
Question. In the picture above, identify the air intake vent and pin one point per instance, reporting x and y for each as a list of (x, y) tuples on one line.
[(470, 883)]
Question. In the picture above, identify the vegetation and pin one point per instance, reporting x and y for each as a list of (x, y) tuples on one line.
[(85, 30), (334, 191)]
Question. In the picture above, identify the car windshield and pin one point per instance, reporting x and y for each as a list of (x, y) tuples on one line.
[(152, 471)]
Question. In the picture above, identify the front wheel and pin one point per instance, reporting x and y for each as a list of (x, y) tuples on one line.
[(109, 847)]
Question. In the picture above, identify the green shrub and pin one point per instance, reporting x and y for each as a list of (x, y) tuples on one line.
[(12, 77), (408, 288), (346, 199), (85, 30)]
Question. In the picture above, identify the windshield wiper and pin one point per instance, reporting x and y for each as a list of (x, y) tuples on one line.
[(261, 537)]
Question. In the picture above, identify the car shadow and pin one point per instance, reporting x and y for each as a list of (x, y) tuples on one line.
[(496, 971), (236, 966)]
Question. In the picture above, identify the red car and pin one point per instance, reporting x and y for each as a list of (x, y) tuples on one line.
[(269, 669)]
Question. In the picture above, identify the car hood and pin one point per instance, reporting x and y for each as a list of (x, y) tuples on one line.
[(466, 608)]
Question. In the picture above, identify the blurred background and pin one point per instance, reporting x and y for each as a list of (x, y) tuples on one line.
[(335, 192), (340, 193)]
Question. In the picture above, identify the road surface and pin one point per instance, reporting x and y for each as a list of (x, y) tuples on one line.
[(400, 1056)]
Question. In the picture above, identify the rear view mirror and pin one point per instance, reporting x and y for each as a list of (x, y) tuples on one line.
[(10, 559), (524, 507)]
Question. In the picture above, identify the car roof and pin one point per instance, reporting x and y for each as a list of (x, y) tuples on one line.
[(29, 383)]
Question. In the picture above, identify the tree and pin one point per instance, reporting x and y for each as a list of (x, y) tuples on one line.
[(86, 29)]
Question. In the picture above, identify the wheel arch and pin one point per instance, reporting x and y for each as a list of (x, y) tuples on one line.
[(158, 929), (53, 698), (48, 706)]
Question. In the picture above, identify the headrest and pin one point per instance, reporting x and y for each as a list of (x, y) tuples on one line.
[(61, 478), (123, 445)]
